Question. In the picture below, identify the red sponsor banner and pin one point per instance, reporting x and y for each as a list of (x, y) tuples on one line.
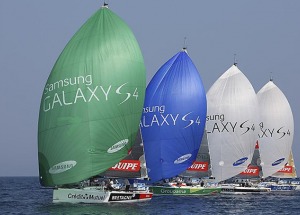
[(253, 171), (256, 145), (127, 165), (199, 167), (286, 169)]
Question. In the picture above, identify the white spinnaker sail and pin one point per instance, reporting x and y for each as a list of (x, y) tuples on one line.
[(276, 128), (232, 123)]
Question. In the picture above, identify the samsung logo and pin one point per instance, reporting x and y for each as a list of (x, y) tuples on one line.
[(240, 161), (118, 146), (182, 159), (62, 167), (278, 162)]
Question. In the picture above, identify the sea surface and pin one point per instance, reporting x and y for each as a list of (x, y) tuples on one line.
[(24, 195)]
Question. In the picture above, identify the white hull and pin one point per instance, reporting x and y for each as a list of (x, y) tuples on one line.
[(297, 183), (96, 195), (278, 187), (237, 189)]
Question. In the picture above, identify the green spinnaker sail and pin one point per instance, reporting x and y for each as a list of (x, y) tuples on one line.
[(92, 102)]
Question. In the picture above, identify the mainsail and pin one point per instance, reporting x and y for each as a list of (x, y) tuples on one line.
[(92, 102), (133, 165), (232, 119), (254, 168), (276, 128), (173, 119), (289, 169), (201, 167)]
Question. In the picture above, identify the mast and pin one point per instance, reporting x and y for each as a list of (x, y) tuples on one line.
[(234, 60), (105, 5), (184, 48)]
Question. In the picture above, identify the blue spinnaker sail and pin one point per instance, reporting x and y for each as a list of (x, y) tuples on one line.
[(173, 118)]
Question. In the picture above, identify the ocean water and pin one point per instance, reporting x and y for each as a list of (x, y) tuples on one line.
[(24, 195)]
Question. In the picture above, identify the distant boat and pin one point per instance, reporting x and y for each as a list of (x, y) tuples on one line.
[(173, 122), (276, 138), (282, 180), (276, 129), (232, 129), (90, 111), (254, 170), (232, 124)]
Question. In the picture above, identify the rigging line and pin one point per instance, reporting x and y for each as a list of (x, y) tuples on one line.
[(271, 77), (234, 60)]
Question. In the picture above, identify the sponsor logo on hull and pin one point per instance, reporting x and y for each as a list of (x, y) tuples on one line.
[(117, 197), (86, 196), (173, 191)]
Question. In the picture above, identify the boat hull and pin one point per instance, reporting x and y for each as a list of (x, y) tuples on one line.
[(244, 190), (95, 195), (278, 187), (283, 187), (161, 190)]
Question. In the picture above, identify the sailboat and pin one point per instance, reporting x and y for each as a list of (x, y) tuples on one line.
[(232, 126), (90, 111), (276, 131), (232, 119), (173, 122), (276, 128), (286, 177)]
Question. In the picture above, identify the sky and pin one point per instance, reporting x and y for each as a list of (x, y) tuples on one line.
[(264, 36)]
